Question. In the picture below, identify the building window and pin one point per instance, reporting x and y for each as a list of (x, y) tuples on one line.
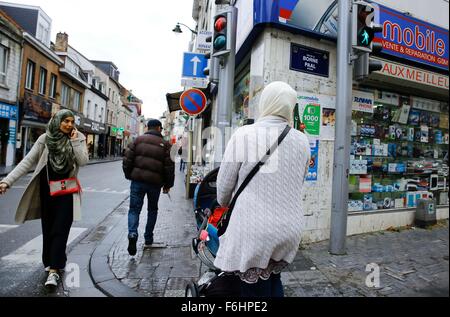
[(95, 112), (76, 100), (29, 79), (3, 64), (88, 110), (101, 115), (42, 81), (53, 84), (42, 34), (65, 95)]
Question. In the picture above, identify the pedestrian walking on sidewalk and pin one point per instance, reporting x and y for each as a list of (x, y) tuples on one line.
[(149, 166), (57, 155), (263, 234), (183, 159)]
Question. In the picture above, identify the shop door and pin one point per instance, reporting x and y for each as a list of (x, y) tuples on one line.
[(4, 136)]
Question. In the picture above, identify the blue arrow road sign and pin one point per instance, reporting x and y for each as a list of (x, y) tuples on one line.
[(193, 65)]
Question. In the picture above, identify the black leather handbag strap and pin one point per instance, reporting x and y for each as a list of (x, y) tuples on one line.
[(254, 171)]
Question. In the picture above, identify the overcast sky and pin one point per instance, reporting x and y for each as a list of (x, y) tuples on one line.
[(135, 34)]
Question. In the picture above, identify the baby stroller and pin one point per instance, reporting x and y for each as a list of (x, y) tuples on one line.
[(213, 283)]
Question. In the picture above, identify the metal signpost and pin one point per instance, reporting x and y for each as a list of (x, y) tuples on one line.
[(339, 206)]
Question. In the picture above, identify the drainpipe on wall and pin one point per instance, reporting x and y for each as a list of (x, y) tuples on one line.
[(22, 44)]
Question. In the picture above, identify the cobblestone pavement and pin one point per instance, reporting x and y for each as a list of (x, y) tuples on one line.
[(410, 262)]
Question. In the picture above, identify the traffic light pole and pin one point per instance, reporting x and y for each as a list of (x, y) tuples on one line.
[(226, 86), (339, 207)]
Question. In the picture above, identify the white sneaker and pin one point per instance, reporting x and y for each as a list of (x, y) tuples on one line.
[(52, 280)]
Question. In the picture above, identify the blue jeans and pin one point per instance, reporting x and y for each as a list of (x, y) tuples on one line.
[(182, 165), (138, 192), (271, 288)]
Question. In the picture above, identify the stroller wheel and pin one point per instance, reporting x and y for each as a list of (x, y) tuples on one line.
[(192, 290)]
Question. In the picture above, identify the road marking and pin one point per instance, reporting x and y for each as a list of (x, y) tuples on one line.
[(6, 228), (30, 253), (91, 190)]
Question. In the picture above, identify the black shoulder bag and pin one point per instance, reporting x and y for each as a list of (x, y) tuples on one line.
[(225, 219)]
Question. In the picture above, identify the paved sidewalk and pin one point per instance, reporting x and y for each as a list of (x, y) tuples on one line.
[(5, 170), (411, 262)]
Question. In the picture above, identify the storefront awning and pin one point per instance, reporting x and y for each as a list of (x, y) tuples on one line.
[(173, 101)]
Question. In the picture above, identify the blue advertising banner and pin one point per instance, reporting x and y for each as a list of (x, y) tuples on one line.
[(10, 112), (313, 167), (313, 16), (310, 60), (412, 39), (403, 36)]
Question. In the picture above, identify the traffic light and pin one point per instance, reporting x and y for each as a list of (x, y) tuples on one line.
[(365, 65), (222, 34), (364, 27), (212, 71)]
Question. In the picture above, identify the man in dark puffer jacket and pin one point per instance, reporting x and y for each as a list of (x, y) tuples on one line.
[(147, 163)]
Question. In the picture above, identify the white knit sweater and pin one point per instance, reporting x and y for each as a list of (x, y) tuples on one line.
[(266, 222)]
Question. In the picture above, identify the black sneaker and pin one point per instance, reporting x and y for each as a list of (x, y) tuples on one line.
[(132, 246)]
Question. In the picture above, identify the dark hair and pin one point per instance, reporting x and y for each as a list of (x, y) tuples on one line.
[(154, 123)]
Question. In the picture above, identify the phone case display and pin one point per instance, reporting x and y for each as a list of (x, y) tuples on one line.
[(399, 153), (198, 173)]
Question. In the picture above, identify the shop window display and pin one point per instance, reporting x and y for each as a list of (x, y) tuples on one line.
[(241, 99), (33, 136), (399, 153)]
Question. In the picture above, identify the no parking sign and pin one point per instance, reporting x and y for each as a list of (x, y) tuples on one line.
[(193, 102)]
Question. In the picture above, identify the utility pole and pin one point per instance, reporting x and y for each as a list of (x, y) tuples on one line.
[(339, 208)]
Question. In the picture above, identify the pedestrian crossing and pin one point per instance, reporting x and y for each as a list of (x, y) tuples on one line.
[(92, 190), (6, 228), (30, 254)]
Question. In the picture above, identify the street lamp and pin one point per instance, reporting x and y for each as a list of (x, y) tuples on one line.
[(177, 28)]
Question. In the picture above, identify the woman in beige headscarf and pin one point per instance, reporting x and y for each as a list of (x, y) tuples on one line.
[(263, 234)]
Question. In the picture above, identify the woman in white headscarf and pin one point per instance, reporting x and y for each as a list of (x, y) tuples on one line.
[(263, 235)]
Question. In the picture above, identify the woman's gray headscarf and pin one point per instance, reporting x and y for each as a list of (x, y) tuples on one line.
[(60, 149)]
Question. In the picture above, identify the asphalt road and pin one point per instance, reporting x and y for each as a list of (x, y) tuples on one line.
[(21, 270)]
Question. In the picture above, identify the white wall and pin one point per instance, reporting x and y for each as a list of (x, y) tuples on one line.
[(9, 91), (90, 98), (44, 34), (271, 62), (114, 104)]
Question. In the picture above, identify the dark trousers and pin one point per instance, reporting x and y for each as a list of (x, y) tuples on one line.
[(57, 219), (272, 288), (138, 192), (182, 165)]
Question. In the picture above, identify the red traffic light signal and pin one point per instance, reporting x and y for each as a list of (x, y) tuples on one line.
[(221, 34), (220, 24)]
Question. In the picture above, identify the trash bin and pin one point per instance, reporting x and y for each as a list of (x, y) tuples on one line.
[(425, 213)]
